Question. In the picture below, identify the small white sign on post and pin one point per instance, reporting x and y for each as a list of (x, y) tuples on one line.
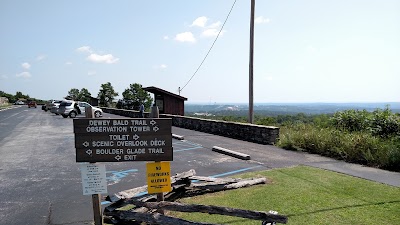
[(93, 179)]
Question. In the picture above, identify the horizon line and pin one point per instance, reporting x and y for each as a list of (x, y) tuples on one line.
[(241, 103)]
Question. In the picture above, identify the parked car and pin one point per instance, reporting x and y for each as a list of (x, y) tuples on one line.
[(73, 108), (54, 106), (49, 104), (32, 104), (19, 103)]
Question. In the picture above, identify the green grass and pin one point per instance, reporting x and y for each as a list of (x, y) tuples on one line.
[(307, 196)]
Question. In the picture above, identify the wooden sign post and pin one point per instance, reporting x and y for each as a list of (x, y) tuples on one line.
[(160, 196), (97, 212), (122, 140)]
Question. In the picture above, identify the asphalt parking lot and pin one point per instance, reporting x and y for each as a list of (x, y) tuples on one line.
[(41, 181)]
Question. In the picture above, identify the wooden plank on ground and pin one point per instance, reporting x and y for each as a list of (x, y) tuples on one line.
[(248, 214)]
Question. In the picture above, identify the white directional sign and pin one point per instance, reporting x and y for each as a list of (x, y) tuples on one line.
[(93, 179)]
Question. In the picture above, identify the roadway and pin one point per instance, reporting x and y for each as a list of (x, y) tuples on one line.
[(41, 181)]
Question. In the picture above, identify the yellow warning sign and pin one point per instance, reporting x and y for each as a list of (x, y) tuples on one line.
[(158, 177)]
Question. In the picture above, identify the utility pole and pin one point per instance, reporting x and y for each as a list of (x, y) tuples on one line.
[(251, 103)]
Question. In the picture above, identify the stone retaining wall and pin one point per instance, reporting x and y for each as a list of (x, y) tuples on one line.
[(242, 131)]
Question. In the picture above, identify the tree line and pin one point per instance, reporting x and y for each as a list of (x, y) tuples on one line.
[(132, 97), (18, 95)]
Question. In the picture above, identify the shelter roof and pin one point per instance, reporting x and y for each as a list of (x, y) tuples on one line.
[(156, 90)]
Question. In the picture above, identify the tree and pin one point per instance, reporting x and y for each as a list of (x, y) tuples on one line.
[(73, 94), (84, 95), (76, 95), (106, 94), (19, 95), (138, 96)]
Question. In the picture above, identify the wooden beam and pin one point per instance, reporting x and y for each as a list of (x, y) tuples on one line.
[(226, 186), (130, 193), (248, 214), (155, 218)]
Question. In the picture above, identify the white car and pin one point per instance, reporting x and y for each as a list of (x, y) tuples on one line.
[(73, 108), (54, 106)]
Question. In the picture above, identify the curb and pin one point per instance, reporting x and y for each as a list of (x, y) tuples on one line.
[(231, 153), (179, 137)]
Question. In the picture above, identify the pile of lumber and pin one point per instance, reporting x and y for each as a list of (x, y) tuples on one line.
[(145, 209)]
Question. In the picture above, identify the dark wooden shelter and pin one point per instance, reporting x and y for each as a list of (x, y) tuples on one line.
[(94, 101), (167, 102)]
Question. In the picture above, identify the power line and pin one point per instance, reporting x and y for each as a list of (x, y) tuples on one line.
[(222, 27)]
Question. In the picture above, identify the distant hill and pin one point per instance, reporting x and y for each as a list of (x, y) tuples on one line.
[(272, 109)]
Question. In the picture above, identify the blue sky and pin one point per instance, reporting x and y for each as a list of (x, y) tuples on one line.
[(305, 50)]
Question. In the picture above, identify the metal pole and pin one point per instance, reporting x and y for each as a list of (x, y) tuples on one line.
[(251, 103)]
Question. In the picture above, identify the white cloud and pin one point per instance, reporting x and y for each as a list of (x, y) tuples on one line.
[(92, 73), (215, 25), (97, 58), (261, 19), (185, 37), (40, 57), (85, 49), (68, 63), (200, 22), (166, 37), (207, 30), (26, 65), (108, 58), (160, 67), (23, 75)]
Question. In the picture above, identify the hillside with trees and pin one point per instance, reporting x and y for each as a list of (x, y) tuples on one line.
[(18, 95)]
